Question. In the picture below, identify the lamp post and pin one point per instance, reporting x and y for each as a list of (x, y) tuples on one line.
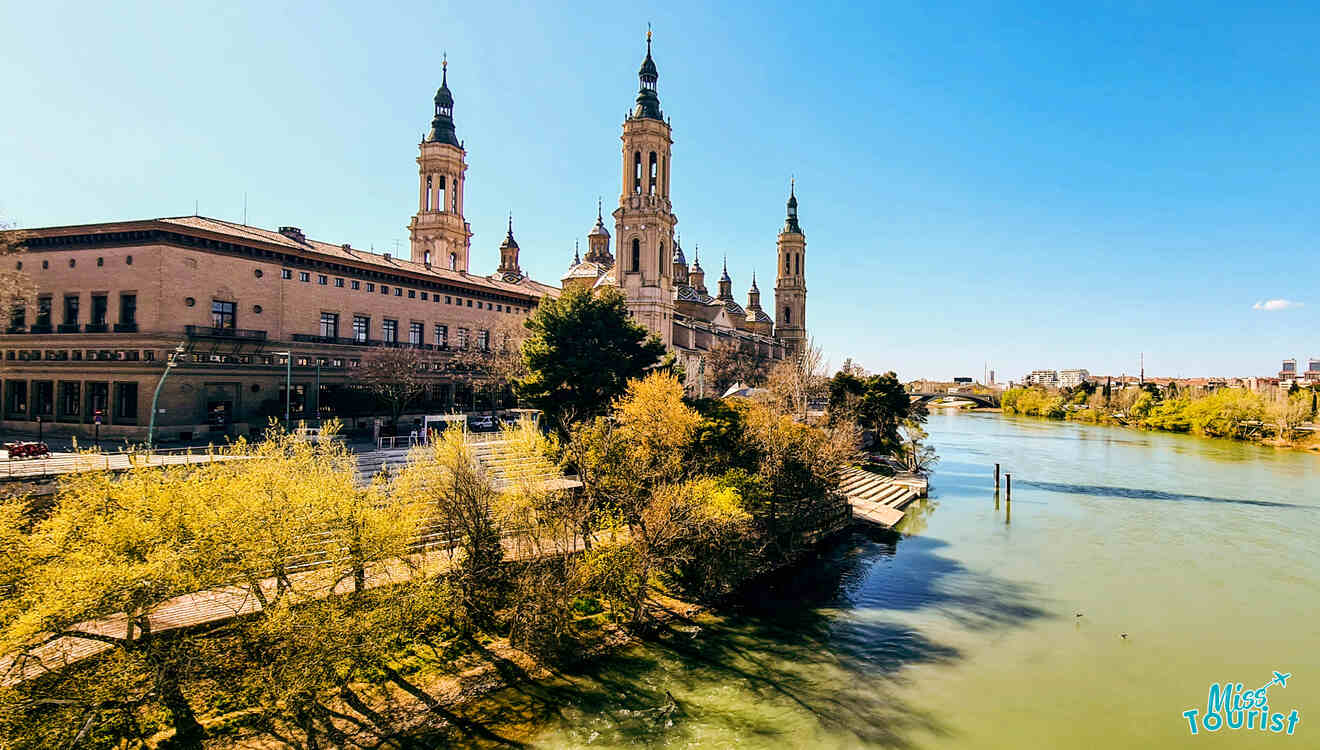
[(288, 384), (170, 364), (318, 392)]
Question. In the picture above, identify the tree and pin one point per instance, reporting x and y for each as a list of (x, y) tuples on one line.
[(877, 403), (728, 363), (797, 381), (1289, 412), (394, 375), (15, 284), (582, 350), (497, 367)]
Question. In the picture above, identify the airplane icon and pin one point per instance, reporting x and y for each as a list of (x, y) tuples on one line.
[(1281, 678)]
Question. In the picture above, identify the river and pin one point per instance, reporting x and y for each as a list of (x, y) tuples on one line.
[(963, 631)]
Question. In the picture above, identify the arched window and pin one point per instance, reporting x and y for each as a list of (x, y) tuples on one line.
[(661, 256), (453, 261), (788, 316), (797, 261), (653, 175), (440, 195), (788, 265), (453, 196), (636, 255), (426, 257), (427, 206), (637, 172), (664, 167)]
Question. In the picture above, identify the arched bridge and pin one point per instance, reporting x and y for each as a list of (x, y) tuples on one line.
[(980, 399)]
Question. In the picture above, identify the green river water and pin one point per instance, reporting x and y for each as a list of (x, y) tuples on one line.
[(962, 632)]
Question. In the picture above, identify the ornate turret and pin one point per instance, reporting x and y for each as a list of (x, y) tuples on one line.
[(648, 101), (442, 125), (598, 241), (680, 263), (697, 276), (509, 255), (791, 223), (753, 296), (726, 283)]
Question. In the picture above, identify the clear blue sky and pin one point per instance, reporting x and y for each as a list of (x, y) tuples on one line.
[(1026, 184)]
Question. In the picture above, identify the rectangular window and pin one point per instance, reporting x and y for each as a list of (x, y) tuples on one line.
[(71, 309), (43, 312), (423, 296), (361, 328), (441, 335), (390, 331), (416, 333), (43, 398), (18, 317), (398, 292), (384, 289), (222, 314), (448, 300), (128, 309), (16, 398), (339, 283), (412, 294), (70, 399), (126, 403), (304, 276), (469, 303), (286, 274), (100, 308), (483, 340), (330, 325), (371, 287), (322, 280), (355, 284), (462, 338)]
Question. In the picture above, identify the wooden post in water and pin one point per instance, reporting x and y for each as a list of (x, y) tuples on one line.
[(996, 478), (1008, 487)]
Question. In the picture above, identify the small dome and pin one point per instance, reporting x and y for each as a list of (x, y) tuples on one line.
[(509, 242)]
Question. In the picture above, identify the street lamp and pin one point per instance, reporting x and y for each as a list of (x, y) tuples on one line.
[(288, 384), (170, 364)]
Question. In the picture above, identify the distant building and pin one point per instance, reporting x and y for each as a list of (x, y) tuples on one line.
[(963, 381), (1047, 378), (1073, 378), (992, 377), (1289, 369), (1313, 365)]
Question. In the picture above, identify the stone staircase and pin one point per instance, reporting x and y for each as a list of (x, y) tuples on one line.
[(506, 469), (879, 499)]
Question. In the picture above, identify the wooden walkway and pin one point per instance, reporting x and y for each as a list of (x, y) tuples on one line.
[(878, 499)]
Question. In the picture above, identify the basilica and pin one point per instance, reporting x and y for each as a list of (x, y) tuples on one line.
[(664, 291)]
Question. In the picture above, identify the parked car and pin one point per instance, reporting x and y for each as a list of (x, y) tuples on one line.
[(27, 449), (483, 423)]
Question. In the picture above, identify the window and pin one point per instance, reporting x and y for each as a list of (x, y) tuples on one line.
[(390, 331), (16, 398), (453, 261), (304, 276), (398, 291), (423, 296), (222, 314), (441, 335), (43, 398), (448, 300), (43, 312), (384, 289), (361, 328), (426, 257), (126, 403), (462, 338), (322, 280), (637, 172), (70, 399), (797, 262), (371, 287), (355, 284), (636, 255), (128, 260), (71, 309), (661, 263), (286, 274), (412, 294), (788, 316), (416, 333), (18, 316), (100, 306), (469, 303), (653, 173), (330, 325), (100, 261), (483, 340), (128, 309)]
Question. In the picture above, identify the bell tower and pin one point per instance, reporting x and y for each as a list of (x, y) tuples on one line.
[(644, 221), (440, 236), (791, 284)]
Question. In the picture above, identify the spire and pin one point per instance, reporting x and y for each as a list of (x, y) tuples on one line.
[(696, 257), (576, 258), (509, 241), (509, 255), (725, 276), (442, 125), (726, 284), (754, 289), (791, 223), (648, 101)]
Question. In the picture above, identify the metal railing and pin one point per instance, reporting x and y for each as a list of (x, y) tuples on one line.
[(224, 332)]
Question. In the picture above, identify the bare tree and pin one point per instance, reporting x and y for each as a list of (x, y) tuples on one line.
[(495, 367), (15, 285), (797, 381), (394, 376), (729, 363)]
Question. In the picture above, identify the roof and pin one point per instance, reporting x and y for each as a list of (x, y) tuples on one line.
[(324, 250), (585, 270)]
